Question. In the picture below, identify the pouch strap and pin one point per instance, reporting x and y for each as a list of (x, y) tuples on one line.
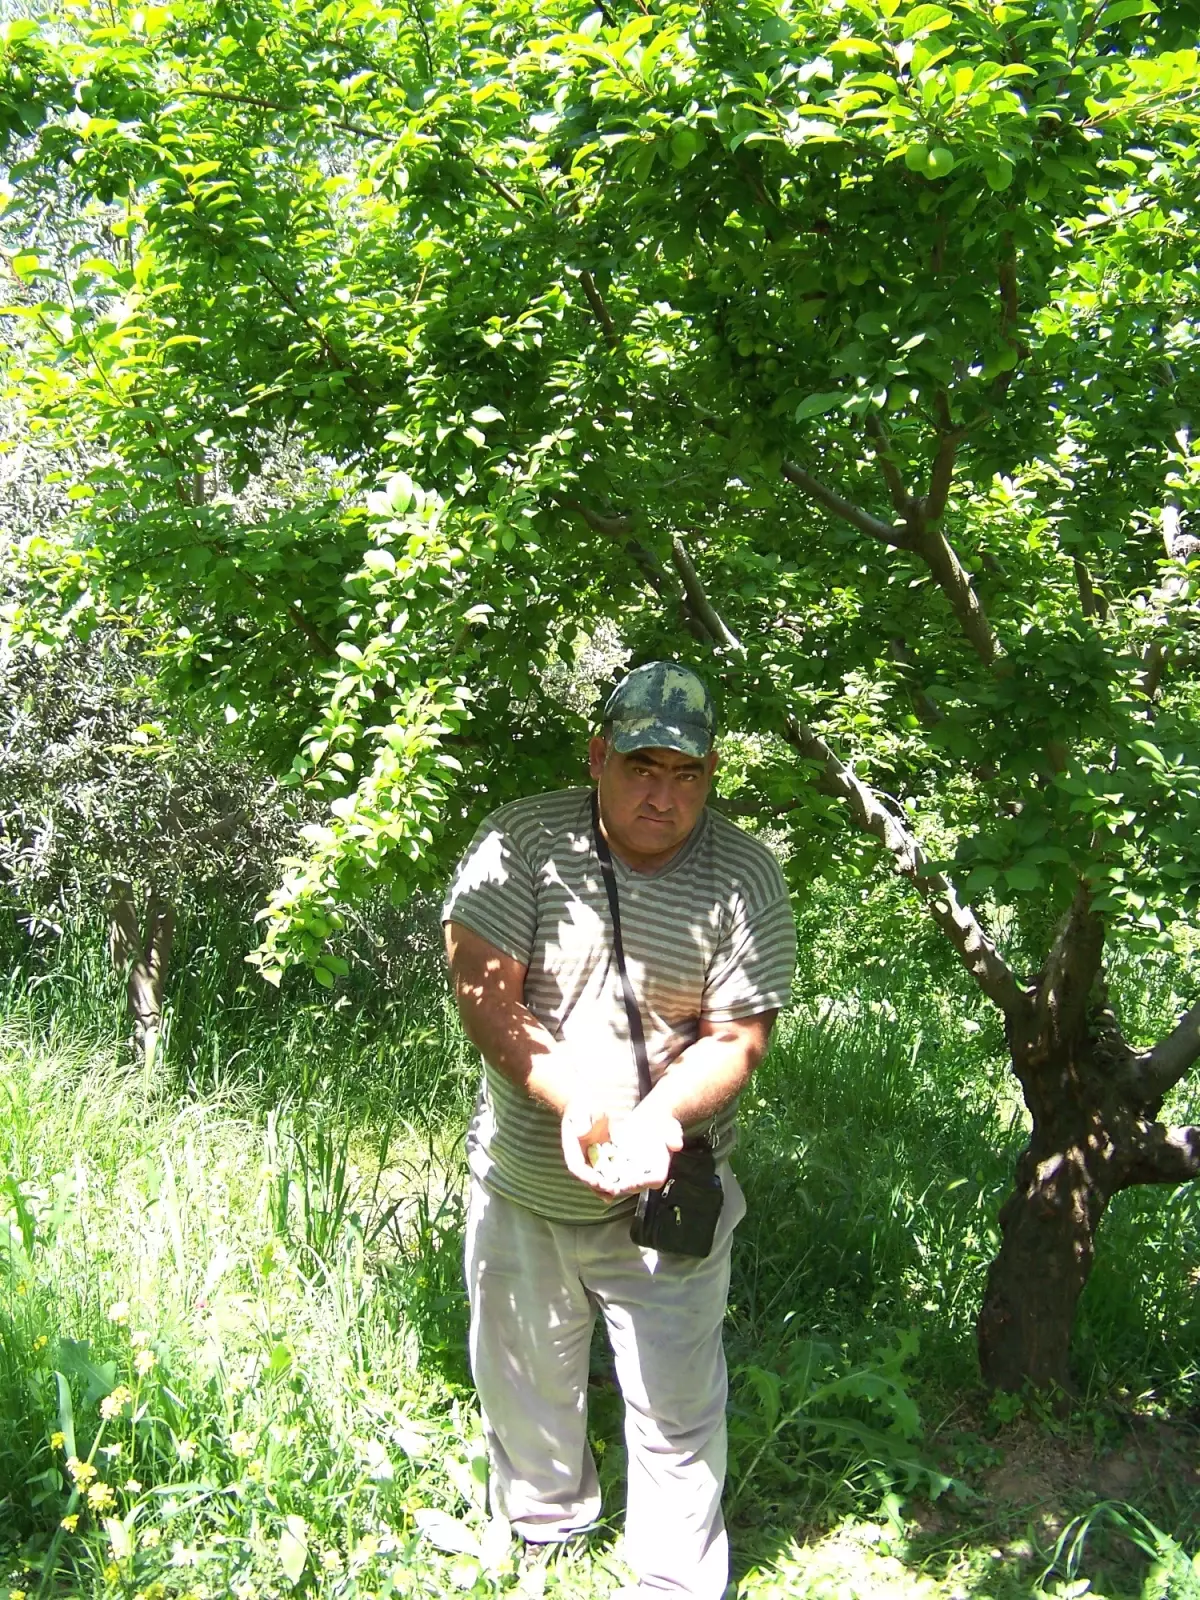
[(637, 1034)]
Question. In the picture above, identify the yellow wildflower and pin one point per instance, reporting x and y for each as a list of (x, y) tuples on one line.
[(112, 1573), (100, 1497), (145, 1362), (151, 1538), (70, 1523), (57, 1440), (241, 1444), (81, 1471), (118, 1312), (132, 1486), (17, 1594), (113, 1404), (186, 1449), (139, 1338), (40, 1342)]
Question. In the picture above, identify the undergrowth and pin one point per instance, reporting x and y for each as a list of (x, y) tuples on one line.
[(232, 1329)]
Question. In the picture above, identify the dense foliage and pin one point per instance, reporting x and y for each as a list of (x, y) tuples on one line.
[(848, 349)]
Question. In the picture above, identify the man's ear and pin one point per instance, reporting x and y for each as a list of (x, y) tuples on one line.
[(597, 751), (714, 761)]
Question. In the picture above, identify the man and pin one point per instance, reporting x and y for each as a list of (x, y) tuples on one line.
[(709, 944)]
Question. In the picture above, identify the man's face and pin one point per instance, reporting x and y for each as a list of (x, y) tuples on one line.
[(650, 800)]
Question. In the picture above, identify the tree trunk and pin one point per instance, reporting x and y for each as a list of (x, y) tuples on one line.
[(1048, 1225), (1095, 1104), (148, 954)]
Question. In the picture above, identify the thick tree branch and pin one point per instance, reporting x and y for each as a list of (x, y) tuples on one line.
[(903, 504), (229, 98), (886, 532), (600, 311), (918, 536), (933, 506), (955, 583), (618, 527), (222, 828), (1070, 970), (698, 601), (318, 641), (1154, 665), (653, 572), (1161, 1068), (1162, 1154), (957, 921), (1091, 600)]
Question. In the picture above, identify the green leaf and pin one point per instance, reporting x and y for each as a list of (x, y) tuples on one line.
[(1120, 9), (487, 414), (401, 492), (1151, 752), (1023, 877), (66, 1414), (120, 1537), (75, 1361), (924, 19), (293, 1549), (818, 404), (447, 1533)]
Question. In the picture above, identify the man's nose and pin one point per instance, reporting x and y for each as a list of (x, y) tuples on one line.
[(659, 797)]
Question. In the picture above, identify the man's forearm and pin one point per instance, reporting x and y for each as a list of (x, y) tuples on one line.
[(709, 1074), (510, 1038)]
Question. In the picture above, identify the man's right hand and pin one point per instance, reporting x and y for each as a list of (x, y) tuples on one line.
[(643, 1141), (583, 1126)]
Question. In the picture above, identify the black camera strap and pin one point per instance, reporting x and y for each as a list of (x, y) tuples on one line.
[(608, 873)]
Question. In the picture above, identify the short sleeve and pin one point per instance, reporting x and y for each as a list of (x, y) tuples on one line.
[(492, 892), (751, 969)]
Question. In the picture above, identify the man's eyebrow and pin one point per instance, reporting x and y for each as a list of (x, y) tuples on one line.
[(648, 760)]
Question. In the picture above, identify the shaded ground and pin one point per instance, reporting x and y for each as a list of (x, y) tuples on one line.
[(1051, 1508)]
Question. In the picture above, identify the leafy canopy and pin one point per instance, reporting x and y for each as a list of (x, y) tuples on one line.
[(844, 347)]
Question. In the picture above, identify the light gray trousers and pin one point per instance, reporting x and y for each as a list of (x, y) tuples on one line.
[(535, 1288)]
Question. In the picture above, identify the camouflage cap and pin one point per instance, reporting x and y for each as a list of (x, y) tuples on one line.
[(661, 706)]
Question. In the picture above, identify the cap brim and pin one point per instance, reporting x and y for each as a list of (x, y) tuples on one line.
[(648, 733)]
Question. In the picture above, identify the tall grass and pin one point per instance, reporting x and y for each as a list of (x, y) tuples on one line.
[(233, 1291), (387, 1044)]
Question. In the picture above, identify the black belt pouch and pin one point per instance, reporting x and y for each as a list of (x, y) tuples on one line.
[(682, 1216)]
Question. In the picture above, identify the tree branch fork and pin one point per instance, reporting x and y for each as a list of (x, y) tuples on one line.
[(1057, 1007)]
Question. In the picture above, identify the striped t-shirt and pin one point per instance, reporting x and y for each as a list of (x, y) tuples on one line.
[(710, 935)]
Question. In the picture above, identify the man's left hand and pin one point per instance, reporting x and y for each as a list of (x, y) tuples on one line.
[(645, 1141)]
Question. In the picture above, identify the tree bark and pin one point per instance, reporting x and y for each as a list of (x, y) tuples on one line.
[(146, 949), (1095, 1105), (1064, 1181)]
